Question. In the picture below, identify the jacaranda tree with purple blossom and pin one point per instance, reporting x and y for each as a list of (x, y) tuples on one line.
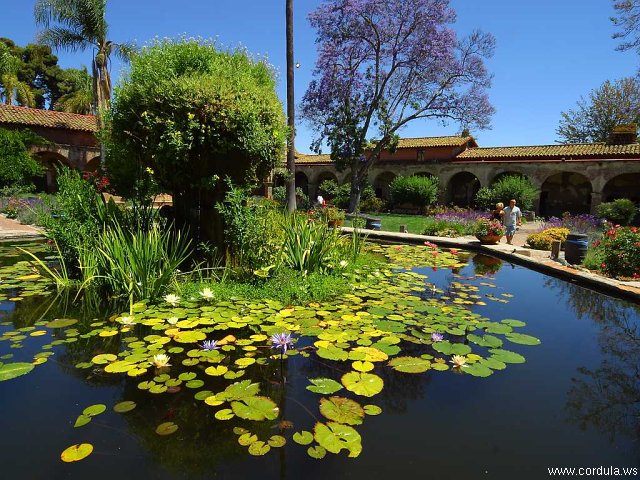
[(384, 63)]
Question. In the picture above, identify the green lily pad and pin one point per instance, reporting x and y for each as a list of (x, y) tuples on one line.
[(61, 322), (478, 370), (522, 339), (240, 390), (335, 437), (303, 437), (224, 414), (256, 408), (82, 420), (277, 441), (124, 407), (316, 452), (325, 386), (259, 448), (94, 410), (506, 356), (9, 371), (372, 410), (75, 453), (247, 439), (166, 428), (342, 410), (365, 384), (410, 364)]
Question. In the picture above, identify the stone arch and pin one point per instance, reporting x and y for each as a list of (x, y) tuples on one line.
[(93, 165), (326, 175), (462, 189), (381, 185), (51, 161), (626, 185), (565, 192), (302, 181), (501, 175)]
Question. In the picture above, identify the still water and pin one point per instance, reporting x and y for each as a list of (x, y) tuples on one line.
[(574, 403)]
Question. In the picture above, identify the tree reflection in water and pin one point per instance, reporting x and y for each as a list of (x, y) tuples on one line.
[(607, 397)]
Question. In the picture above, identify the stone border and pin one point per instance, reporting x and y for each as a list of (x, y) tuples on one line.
[(534, 259)]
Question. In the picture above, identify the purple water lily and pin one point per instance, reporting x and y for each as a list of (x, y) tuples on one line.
[(282, 340), (209, 345), (437, 337)]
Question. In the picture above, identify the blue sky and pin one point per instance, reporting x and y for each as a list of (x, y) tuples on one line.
[(548, 53)]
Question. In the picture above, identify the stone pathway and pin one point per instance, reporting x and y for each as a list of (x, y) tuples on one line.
[(13, 230)]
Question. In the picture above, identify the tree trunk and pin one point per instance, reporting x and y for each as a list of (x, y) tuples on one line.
[(291, 110), (356, 190)]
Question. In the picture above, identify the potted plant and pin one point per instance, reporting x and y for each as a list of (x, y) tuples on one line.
[(489, 232), (334, 216)]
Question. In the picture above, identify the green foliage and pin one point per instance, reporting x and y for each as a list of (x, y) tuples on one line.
[(544, 239), (446, 228), (610, 105), (77, 86), (252, 231), (620, 211), (339, 195), (302, 199), (620, 252), (17, 166), (194, 115), (414, 190), (485, 227), (372, 205), (510, 186)]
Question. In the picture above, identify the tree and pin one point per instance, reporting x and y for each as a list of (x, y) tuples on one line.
[(628, 19), (291, 112), (17, 166), (606, 107), (79, 87), (189, 116), (517, 187), (77, 25), (383, 64), (13, 90)]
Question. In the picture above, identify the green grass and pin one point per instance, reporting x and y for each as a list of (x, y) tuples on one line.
[(391, 222)]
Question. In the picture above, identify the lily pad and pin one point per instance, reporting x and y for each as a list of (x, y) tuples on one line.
[(256, 408), (365, 384), (342, 410), (75, 453), (9, 371), (277, 441), (335, 437), (61, 322), (124, 407), (506, 356), (522, 339), (303, 437), (259, 448), (324, 386), (316, 452), (410, 364), (166, 428)]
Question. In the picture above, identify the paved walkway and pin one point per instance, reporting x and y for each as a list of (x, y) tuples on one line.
[(539, 260), (13, 230)]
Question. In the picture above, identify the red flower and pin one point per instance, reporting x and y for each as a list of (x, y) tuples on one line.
[(453, 251)]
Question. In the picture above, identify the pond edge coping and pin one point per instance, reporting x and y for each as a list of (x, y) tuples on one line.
[(518, 255)]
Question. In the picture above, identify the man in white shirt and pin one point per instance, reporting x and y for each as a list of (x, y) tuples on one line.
[(512, 218)]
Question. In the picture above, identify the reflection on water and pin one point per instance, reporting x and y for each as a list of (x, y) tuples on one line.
[(606, 397)]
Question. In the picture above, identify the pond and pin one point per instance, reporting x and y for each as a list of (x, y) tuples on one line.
[(387, 392)]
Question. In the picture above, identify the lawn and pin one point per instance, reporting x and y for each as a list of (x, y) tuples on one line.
[(391, 222)]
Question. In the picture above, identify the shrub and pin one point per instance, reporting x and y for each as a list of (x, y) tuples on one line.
[(414, 190), (620, 212), (485, 227), (17, 166), (372, 205), (280, 196), (543, 240), (508, 187), (339, 195), (446, 228), (620, 252)]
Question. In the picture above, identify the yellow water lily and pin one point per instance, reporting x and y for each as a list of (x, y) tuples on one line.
[(127, 321), (207, 294), (459, 361), (161, 360), (172, 320)]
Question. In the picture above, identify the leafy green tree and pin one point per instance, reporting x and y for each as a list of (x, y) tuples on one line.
[(12, 89), (79, 87), (415, 190), (594, 118), (189, 115), (517, 187), (17, 166), (78, 25)]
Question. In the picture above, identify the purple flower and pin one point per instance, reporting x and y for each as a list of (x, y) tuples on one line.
[(209, 345), (437, 337), (282, 340)]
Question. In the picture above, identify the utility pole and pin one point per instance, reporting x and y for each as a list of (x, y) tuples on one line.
[(291, 112)]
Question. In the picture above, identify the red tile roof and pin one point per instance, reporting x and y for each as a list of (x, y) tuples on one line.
[(10, 114), (557, 152)]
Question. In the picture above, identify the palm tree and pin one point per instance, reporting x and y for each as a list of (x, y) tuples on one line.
[(12, 90), (79, 97), (78, 25)]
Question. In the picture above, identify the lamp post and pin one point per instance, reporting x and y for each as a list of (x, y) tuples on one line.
[(291, 110)]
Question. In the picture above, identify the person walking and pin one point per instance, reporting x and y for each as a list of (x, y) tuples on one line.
[(512, 219), (498, 213)]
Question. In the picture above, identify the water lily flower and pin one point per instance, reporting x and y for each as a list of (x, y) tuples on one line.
[(459, 361), (282, 340), (453, 251), (172, 299), (161, 360), (437, 337), (343, 263), (209, 345), (207, 294), (127, 321), (172, 320)]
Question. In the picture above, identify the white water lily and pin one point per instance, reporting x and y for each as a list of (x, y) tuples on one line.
[(172, 320), (161, 360), (343, 263), (459, 361), (207, 294), (172, 299), (127, 321)]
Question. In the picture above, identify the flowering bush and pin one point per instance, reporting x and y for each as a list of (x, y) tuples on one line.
[(583, 223), (484, 227), (543, 240), (619, 211), (452, 222), (620, 252)]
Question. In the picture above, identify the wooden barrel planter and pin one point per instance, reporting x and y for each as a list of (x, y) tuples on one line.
[(489, 239)]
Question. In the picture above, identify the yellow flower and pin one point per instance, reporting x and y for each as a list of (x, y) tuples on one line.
[(149, 170), (207, 294), (459, 361), (172, 299), (127, 321), (161, 360), (172, 320)]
